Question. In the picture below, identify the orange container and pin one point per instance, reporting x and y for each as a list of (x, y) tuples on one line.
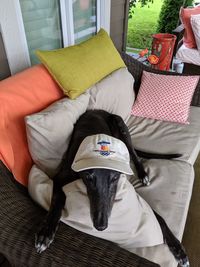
[(162, 47)]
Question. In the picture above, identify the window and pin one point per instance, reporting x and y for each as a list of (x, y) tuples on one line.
[(85, 19), (42, 25), (28, 25)]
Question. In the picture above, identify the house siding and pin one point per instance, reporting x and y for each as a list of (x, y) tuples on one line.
[(119, 22)]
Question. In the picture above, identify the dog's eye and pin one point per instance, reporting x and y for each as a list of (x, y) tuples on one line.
[(89, 177), (115, 178)]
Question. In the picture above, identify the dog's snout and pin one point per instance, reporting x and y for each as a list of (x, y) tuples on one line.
[(100, 221)]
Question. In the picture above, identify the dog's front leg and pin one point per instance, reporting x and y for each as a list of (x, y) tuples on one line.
[(142, 175), (173, 243), (120, 130), (46, 234)]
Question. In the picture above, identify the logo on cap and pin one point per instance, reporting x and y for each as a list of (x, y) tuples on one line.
[(104, 148)]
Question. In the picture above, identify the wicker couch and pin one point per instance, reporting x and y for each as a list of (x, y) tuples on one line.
[(20, 218)]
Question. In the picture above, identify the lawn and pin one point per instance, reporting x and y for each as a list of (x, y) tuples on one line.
[(143, 24)]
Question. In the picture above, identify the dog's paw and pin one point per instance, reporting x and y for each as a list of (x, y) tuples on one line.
[(146, 180), (184, 262), (180, 255), (44, 238), (143, 176)]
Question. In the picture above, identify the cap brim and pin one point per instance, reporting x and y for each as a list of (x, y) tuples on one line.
[(93, 163)]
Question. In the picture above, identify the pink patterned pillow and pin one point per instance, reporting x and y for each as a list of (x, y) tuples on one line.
[(165, 97)]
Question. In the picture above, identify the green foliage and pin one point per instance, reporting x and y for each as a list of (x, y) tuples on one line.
[(169, 15), (143, 25), (132, 5)]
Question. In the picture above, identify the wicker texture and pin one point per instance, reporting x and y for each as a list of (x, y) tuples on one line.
[(20, 218), (136, 68), (191, 69)]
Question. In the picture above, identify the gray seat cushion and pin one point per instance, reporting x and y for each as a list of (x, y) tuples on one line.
[(166, 137), (171, 180), (169, 194)]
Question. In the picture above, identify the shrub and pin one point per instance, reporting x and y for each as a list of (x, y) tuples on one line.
[(169, 14)]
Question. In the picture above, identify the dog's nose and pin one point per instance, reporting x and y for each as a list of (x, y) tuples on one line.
[(101, 228), (100, 221)]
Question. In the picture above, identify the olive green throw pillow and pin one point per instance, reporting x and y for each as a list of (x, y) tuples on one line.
[(76, 68)]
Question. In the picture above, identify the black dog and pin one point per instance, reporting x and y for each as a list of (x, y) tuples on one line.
[(101, 192)]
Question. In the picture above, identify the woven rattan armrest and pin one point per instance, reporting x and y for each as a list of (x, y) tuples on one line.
[(136, 68), (19, 220)]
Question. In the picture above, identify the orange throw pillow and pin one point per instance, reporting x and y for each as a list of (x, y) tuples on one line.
[(20, 95), (185, 15)]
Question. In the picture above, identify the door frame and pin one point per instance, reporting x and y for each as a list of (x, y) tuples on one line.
[(13, 32)]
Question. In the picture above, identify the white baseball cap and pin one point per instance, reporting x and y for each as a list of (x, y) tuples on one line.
[(102, 151)]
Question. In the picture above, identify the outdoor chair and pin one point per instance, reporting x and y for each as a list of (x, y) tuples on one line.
[(189, 56)]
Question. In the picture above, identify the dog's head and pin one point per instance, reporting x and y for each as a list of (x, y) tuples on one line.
[(99, 161)]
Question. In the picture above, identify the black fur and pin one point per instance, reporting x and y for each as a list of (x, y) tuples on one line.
[(101, 192)]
